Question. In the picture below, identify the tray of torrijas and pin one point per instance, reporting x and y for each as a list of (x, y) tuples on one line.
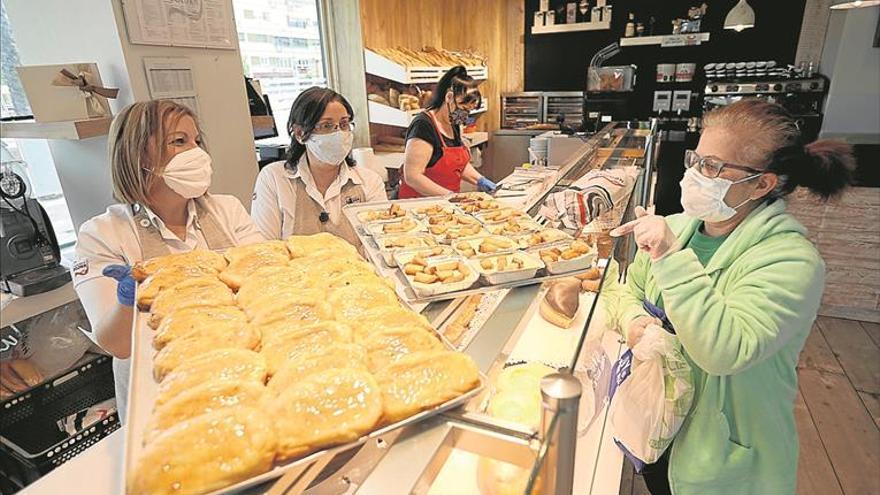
[(493, 246), (262, 359)]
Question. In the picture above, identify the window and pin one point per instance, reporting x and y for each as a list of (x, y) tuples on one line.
[(32, 155), (288, 61), (249, 14), (240, 36)]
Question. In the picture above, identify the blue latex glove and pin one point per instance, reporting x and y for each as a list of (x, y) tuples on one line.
[(486, 185), (125, 286)]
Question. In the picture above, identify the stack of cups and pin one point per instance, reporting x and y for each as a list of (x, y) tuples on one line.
[(538, 151), (365, 158)]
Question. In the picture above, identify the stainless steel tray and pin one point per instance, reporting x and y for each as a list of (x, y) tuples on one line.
[(401, 284), (142, 396)]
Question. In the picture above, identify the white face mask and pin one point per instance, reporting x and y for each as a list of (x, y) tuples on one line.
[(703, 197), (331, 148), (189, 173)]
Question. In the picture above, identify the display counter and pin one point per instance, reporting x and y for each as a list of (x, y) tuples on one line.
[(470, 449)]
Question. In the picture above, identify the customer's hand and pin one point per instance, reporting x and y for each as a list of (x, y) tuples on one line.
[(486, 185), (125, 283), (637, 327), (651, 233)]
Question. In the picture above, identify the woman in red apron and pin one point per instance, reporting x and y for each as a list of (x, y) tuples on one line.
[(436, 160)]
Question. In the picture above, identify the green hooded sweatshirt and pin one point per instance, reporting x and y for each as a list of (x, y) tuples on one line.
[(742, 322)]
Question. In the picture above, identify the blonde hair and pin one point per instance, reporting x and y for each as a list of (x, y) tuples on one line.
[(768, 136), (137, 129)]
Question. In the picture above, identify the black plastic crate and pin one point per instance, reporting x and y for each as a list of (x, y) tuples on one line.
[(31, 444)]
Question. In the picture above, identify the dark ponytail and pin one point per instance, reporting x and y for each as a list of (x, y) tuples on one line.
[(825, 167), (463, 87), (305, 113)]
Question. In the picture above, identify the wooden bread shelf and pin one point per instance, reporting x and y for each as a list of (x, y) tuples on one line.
[(378, 65), (383, 114), (71, 129), (570, 28), (670, 40)]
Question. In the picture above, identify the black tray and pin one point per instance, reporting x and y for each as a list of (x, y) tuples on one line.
[(31, 443)]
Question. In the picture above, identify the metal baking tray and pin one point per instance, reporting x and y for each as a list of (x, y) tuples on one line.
[(142, 396), (401, 284)]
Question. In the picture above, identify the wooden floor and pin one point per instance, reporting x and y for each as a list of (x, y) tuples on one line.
[(837, 412)]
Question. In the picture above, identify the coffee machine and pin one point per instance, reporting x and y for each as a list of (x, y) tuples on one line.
[(30, 258)]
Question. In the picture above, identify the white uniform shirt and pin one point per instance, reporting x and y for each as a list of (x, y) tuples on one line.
[(274, 198), (111, 238)]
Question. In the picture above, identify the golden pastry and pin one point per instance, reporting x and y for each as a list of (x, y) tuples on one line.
[(323, 242), (307, 306), (185, 349), (295, 343), (373, 320), (389, 345), (422, 380), (206, 453), (346, 280), (269, 280), (216, 322), (328, 408), (333, 356), (320, 272), (203, 258), (561, 302), (349, 302), (202, 399), (166, 277), (219, 364), (200, 291), (245, 260)]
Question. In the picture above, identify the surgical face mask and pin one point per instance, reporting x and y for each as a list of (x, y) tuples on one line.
[(331, 148), (189, 173), (458, 116), (703, 197)]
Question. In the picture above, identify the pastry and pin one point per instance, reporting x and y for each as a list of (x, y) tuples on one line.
[(422, 380), (333, 356), (185, 349), (389, 345), (245, 260), (448, 272), (269, 280), (462, 320), (370, 321), (200, 291), (348, 302), (319, 272), (204, 258), (203, 399), (296, 343), (591, 285), (166, 277), (219, 364), (321, 243), (214, 322), (327, 408), (307, 306), (10, 379), (206, 453), (27, 372), (591, 274), (561, 302)]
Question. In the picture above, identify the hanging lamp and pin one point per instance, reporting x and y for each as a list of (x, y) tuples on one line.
[(741, 16)]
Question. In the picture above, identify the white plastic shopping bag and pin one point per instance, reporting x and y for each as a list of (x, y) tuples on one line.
[(653, 393)]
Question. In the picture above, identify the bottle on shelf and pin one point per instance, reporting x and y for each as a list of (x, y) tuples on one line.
[(630, 29)]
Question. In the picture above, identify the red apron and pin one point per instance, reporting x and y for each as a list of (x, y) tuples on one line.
[(446, 172)]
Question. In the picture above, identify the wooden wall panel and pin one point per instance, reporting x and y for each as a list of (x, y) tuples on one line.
[(491, 27), (846, 231)]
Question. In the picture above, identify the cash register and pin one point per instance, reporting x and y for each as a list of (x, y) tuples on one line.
[(30, 258)]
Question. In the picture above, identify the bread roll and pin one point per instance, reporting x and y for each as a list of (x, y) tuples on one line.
[(200, 291), (203, 258), (561, 302), (217, 365)]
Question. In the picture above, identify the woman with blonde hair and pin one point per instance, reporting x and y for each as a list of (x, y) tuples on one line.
[(161, 174), (739, 283)]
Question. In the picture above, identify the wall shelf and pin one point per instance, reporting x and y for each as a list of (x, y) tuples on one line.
[(378, 65), (571, 28), (666, 40), (383, 114), (70, 130), (477, 138)]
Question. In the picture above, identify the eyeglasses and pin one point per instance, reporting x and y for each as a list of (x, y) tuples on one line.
[(712, 167), (328, 127)]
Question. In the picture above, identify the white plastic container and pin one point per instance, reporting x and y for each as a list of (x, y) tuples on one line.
[(581, 262), (475, 243), (424, 241), (378, 229), (428, 290), (531, 265), (404, 256)]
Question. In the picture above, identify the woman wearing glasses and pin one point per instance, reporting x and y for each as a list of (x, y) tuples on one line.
[(436, 160), (739, 281), (305, 194)]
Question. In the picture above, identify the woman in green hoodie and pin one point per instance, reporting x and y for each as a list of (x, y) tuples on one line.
[(741, 284)]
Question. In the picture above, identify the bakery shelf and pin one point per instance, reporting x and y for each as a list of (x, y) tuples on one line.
[(70, 129), (477, 138), (570, 28), (378, 65), (665, 40), (383, 114)]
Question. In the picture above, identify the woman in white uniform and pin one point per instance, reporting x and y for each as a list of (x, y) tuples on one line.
[(305, 194), (160, 176)]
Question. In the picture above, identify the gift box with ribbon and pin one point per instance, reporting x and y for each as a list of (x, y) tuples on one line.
[(66, 91)]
